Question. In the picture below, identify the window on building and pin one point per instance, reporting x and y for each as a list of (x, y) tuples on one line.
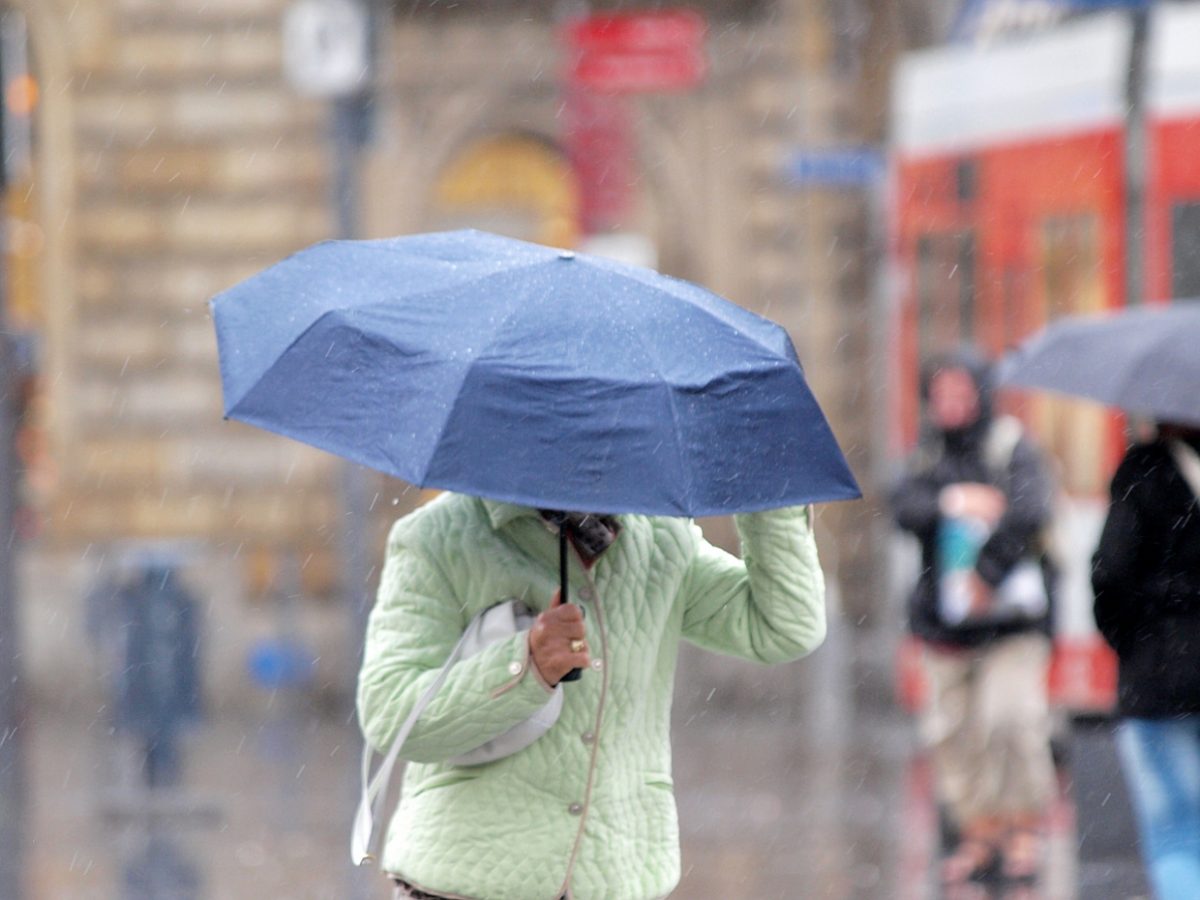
[(945, 291), (513, 184), (1072, 282)]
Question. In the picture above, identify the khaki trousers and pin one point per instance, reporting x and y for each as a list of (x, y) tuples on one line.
[(987, 724)]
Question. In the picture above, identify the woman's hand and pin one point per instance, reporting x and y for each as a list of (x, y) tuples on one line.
[(558, 641), (981, 595), (972, 500)]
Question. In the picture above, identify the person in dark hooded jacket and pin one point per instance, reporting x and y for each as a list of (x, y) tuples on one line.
[(985, 660), (1146, 579)]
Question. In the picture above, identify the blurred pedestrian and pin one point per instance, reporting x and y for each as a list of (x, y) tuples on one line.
[(155, 622), (1146, 577), (978, 496), (587, 811)]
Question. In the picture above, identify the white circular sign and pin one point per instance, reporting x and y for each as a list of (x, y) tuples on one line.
[(326, 47)]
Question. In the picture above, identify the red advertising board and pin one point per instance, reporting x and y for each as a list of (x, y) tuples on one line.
[(666, 29), (660, 50), (629, 73)]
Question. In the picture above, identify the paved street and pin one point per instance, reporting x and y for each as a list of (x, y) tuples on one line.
[(824, 801)]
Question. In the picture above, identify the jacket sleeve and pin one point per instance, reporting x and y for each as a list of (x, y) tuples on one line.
[(1029, 492), (411, 632), (914, 503), (1120, 563), (768, 606)]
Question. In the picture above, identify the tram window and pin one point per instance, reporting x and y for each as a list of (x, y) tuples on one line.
[(1013, 290), (1071, 265), (1071, 282), (945, 291), (1185, 250), (966, 178)]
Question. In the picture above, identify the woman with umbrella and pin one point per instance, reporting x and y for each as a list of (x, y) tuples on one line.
[(581, 411)]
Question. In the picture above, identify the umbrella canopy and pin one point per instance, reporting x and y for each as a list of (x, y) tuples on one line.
[(1143, 360), (479, 364)]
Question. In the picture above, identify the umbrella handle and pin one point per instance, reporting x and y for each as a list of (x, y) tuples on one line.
[(574, 674)]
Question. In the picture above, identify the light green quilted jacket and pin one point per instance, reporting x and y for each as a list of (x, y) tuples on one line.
[(588, 810)]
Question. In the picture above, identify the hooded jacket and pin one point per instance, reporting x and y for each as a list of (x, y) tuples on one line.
[(588, 809), (966, 455), (1146, 578)]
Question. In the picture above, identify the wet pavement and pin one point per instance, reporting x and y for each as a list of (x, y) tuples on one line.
[(826, 797), (833, 801)]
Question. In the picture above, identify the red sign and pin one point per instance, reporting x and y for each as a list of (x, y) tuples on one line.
[(627, 73), (636, 52), (599, 143), (670, 29)]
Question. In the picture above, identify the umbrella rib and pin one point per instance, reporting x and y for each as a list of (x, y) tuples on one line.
[(433, 292), (278, 356), (717, 315), (351, 311), (652, 352), (470, 366)]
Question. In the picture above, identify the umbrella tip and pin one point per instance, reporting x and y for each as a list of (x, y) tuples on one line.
[(566, 254)]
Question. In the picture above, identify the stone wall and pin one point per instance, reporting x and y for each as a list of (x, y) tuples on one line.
[(172, 162), (193, 166)]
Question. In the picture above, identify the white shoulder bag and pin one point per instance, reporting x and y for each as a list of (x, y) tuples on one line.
[(489, 625)]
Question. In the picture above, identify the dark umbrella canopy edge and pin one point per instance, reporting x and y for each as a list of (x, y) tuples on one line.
[(1145, 361)]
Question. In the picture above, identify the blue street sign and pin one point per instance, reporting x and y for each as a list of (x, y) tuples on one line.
[(1085, 5), (972, 14), (845, 167)]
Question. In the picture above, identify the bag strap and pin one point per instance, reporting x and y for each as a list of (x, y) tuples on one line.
[(375, 788), (1188, 463), (1003, 435)]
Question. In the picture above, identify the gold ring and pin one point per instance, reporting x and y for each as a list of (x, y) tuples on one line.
[(577, 646)]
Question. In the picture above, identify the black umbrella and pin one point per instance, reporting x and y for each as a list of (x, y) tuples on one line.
[(1145, 360)]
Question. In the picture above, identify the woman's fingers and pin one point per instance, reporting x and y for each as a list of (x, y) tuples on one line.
[(558, 642)]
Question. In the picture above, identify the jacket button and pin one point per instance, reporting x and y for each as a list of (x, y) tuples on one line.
[(575, 809), (597, 664), (587, 593), (515, 668), (587, 737)]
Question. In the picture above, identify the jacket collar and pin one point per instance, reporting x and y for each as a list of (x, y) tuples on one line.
[(501, 514)]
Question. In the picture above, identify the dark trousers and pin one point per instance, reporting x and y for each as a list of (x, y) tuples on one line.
[(408, 892)]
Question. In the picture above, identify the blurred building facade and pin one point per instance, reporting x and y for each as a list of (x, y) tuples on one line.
[(163, 156), (170, 158)]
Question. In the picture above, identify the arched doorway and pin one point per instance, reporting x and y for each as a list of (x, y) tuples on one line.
[(514, 184)]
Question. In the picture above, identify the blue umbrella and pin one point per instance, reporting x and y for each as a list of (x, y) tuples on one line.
[(513, 371), (1143, 360), (503, 369)]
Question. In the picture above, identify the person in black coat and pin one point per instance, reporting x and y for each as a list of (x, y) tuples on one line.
[(986, 719), (1146, 579)]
